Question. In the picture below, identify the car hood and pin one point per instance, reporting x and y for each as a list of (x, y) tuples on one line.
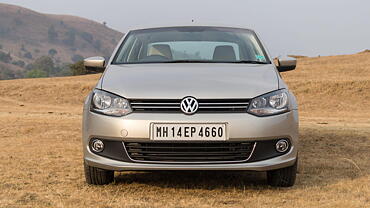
[(200, 80)]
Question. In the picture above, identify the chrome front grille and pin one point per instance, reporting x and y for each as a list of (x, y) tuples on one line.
[(205, 105), (189, 152)]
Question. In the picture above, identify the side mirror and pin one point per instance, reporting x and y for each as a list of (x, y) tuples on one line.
[(284, 65), (95, 64)]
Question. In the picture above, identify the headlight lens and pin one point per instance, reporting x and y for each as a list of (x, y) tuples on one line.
[(109, 104), (270, 104)]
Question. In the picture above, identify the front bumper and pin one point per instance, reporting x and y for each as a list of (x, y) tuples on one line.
[(270, 164), (241, 127)]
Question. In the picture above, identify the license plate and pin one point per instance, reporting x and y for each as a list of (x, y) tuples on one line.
[(191, 132)]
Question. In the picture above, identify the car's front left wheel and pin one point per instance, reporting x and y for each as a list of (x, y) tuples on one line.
[(97, 176), (284, 177)]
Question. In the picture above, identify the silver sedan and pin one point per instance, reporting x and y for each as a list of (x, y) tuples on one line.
[(190, 98)]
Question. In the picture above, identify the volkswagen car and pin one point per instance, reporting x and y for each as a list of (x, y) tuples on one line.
[(190, 98)]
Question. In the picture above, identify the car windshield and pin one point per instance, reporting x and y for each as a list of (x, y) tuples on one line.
[(191, 44)]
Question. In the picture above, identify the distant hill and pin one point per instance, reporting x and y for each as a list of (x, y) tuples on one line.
[(365, 51), (297, 56), (26, 35)]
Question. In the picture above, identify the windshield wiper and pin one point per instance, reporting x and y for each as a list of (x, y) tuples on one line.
[(187, 61), (207, 61), (249, 62)]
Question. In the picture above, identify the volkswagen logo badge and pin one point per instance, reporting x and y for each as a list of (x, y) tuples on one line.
[(189, 105)]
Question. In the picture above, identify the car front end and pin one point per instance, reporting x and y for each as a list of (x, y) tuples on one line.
[(190, 116)]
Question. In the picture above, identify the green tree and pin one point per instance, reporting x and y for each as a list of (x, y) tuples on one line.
[(5, 57), (36, 73), (28, 55), (52, 34), (71, 37), (64, 70), (76, 58), (44, 64), (78, 68), (6, 73), (53, 52), (19, 63), (23, 48)]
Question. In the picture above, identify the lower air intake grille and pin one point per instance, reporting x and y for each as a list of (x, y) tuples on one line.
[(189, 152)]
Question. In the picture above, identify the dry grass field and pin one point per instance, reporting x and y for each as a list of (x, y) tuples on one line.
[(41, 156)]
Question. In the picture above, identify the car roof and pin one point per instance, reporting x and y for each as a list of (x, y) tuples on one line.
[(189, 25)]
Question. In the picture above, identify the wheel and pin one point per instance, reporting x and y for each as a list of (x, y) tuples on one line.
[(98, 176), (284, 177)]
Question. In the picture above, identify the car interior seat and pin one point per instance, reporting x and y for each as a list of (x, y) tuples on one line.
[(161, 50), (224, 53)]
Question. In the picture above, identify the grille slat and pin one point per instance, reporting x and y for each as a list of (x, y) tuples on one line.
[(189, 152), (169, 147), (226, 104), (208, 158), (153, 107), (194, 153), (226, 107), (149, 104), (205, 105)]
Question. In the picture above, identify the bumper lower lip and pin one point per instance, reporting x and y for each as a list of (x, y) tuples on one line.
[(269, 164)]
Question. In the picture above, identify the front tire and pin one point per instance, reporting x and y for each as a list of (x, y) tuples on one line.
[(97, 176), (284, 177)]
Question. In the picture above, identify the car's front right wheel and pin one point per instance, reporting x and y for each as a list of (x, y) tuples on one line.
[(284, 177), (97, 176)]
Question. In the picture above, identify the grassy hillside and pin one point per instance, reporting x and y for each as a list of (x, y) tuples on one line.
[(26, 35), (336, 86), (40, 122)]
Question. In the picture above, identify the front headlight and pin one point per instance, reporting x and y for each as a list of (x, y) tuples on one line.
[(270, 104), (106, 103)]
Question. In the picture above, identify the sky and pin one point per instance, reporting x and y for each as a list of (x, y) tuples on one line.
[(310, 27)]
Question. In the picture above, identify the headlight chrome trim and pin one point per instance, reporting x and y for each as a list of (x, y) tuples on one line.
[(110, 104), (261, 106)]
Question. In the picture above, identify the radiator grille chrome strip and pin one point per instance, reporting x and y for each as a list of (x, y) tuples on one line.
[(205, 105)]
